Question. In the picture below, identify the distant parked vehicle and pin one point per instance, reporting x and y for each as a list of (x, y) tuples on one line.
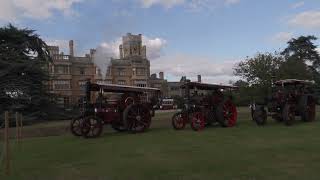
[(167, 104)]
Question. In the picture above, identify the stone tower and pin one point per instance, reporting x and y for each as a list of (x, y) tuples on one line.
[(132, 47)]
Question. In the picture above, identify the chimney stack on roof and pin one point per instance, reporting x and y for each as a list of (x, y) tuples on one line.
[(71, 50), (161, 75), (199, 78)]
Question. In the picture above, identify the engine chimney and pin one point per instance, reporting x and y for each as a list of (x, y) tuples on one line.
[(71, 51), (161, 75), (199, 78)]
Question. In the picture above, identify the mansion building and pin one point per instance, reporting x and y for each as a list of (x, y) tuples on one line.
[(132, 68), (68, 73)]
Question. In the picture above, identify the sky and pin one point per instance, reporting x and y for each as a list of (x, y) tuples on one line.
[(183, 37)]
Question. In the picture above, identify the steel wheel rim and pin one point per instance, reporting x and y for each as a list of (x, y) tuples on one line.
[(198, 122), (76, 126), (311, 110), (139, 119), (91, 127), (230, 113), (179, 121)]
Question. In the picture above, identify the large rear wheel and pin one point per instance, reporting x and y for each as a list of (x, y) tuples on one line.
[(91, 127), (137, 118), (307, 107), (227, 114)]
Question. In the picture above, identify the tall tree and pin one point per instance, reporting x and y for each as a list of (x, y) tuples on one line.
[(258, 72), (23, 70), (302, 58), (303, 49), (259, 69)]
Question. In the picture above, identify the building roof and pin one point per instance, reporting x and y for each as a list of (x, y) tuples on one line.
[(205, 86), (293, 82), (121, 88)]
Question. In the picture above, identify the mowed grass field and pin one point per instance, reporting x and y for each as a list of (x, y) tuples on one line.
[(245, 152)]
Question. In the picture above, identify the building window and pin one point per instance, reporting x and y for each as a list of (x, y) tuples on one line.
[(140, 83), (82, 85), (61, 69), (61, 84), (122, 82), (141, 71), (82, 71), (174, 88), (66, 101), (121, 72), (109, 71), (104, 82), (98, 71)]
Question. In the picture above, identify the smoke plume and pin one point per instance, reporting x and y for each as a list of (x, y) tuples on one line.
[(102, 57)]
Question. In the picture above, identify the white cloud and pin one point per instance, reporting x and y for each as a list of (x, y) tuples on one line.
[(307, 19), (190, 4), (190, 66), (154, 47), (297, 5), (165, 3), (7, 11), (12, 10), (231, 2), (282, 37)]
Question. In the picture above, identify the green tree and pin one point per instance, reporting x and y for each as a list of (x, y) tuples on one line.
[(260, 69), (23, 71), (302, 60)]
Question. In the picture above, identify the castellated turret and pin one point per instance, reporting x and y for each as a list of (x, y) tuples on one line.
[(132, 46)]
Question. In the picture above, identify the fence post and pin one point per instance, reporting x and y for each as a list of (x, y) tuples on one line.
[(17, 128), (6, 144), (20, 127)]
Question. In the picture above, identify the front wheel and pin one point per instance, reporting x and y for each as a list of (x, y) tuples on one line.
[(259, 115), (91, 127), (288, 114), (179, 121), (75, 125), (198, 121)]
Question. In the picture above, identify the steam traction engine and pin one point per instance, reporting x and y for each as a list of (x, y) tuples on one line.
[(206, 104), (125, 108), (289, 98)]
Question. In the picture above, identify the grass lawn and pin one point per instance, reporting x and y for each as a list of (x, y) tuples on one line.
[(245, 152)]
